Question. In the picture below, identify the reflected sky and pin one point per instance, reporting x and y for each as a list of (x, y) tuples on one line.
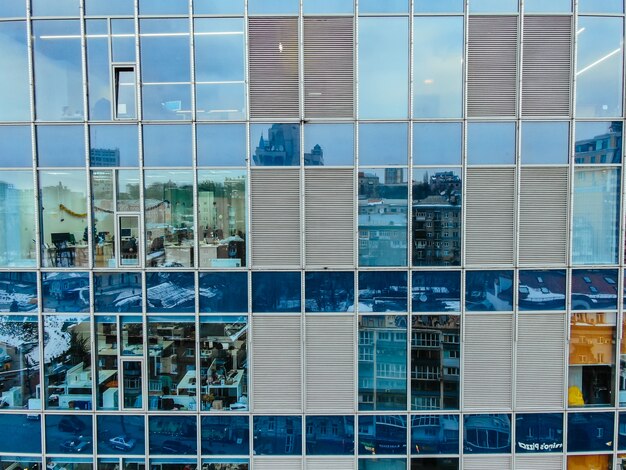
[(14, 94), (604, 6), (336, 141), (12, 8), (55, 8), (490, 143), (273, 7), (437, 143), (110, 7), (551, 6), (311, 7), (493, 6), (60, 146), (545, 142), (113, 145), (439, 6), (167, 145), (218, 7), (383, 144), (161, 7), (15, 146), (388, 6)]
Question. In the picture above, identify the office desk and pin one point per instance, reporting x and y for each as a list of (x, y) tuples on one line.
[(187, 385), (228, 389), (181, 254)]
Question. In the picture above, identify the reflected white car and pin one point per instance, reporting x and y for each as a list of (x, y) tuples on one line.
[(124, 443)]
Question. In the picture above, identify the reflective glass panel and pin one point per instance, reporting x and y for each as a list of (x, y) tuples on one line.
[(436, 291), (583, 462), (383, 71), (382, 362), (599, 59), (549, 6), (222, 218), (437, 143), (487, 434), (330, 435), (167, 145), (63, 216), (622, 383), (276, 292), (383, 144), (382, 464), (541, 290), (117, 292), (591, 360), (621, 440), (173, 435), (224, 371), (598, 142), (14, 79), (436, 367), (313, 7), (277, 435), (434, 463), (328, 144), (489, 291), (167, 102), (107, 365), (18, 291), (65, 292), (540, 432), (382, 434), (228, 463), (113, 145), (493, 6), (223, 292), (329, 291), (221, 144), (435, 434), (163, 7), (490, 143), (58, 70), (225, 435), (169, 219), (110, 7), (383, 205), (382, 291), (545, 143), (17, 219), (68, 434), (123, 40), (603, 6), (595, 223), (24, 435), (56, 8), (438, 81), (15, 147), (98, 71), (438, 6), (594, 289), (218, 7), (389, 6), (13, 9), (61, 146), (67, 369), (275, 144), (273, 7), (436, 213), (170, 292), (121, 434), (590, 432)]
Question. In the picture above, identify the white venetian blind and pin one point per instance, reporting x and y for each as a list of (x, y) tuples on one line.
[(487, 462), (276, 463), (330, 463), (539, 462)]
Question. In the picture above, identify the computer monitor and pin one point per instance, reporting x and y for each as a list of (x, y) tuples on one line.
[(60, 238), (125, 232)]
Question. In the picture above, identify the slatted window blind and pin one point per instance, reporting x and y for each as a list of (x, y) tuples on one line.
[(275, 463), (487, 462), (334, 463), (539, 462)]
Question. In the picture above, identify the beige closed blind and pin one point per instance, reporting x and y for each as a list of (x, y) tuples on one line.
[(547, 66), (277, 463), (541, 342), (539, 462), (330, 463), (273, 67), (543, 215), (329, 217), (275, 217), (329, 67), (330, 364), (490, 216), (492, 66), (277, 364), (488, 362), (487, 462)]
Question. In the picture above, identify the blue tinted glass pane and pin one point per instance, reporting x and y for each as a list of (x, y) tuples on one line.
[(621, 442), (594, 289), (435, 434), (434, 463), (277, 435), (603, 6), (383, 71), (438, 81), (438, 6), (221, 144), (115, 292), (225, 435), (312, 7), (382, 362), (167, 102), (221, 101), (123, 40), (113, 145), (382, 464), (170, 292), (388, 6), (218, 7), (330, 435), (276, 292), (550, 6), (167, 145), (382, 291), (589, 432), (383, 144), (13, 8), (15, 147), (14, 76), (545, 142), (489, 291), (382, 435), (173, 435), (541, 290), (436, 291), (110, 7), (223, 292), (165, 50), (487, 434), (98, 75), (275, 144), (17, 219), (599, 61), (273, 6), (160, 7), (598, 142), (329, 291), (24, 435), (328, 144), (61, 145), (490, 143), (437, 143), (542, 432), (65, 292), (56, 8), (69, 434), (596, 215), (121, 434), (493, 6), (18, 291)]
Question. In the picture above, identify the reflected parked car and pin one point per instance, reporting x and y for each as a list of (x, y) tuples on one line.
[(124, 443), (78, 445), (176, 447)]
